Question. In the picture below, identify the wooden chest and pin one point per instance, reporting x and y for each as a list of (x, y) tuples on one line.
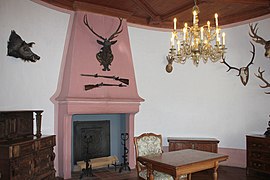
[(258, 153), (202, 144), (28, 158)]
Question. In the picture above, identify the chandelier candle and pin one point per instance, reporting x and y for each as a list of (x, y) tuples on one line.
[(195, 42)]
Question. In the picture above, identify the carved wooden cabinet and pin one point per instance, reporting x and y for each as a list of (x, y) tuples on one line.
[(23, 155), (28, 158), (258, 153), (202, 144)]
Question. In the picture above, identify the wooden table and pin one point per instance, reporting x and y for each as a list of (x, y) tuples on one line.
[(177, 163)]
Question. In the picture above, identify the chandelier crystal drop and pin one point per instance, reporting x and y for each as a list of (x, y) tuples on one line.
[(196, 43)]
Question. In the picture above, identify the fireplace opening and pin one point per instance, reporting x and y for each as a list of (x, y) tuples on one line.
[(101, 133), (91, 139)]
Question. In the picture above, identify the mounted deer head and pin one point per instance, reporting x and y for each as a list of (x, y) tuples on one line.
[(105, 56), (259, 39), (243, 71), (260, 76)]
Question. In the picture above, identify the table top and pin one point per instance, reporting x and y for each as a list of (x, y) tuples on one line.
[(176, 159)]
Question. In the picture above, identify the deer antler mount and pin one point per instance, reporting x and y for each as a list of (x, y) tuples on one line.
[(260, 76), (243, 71), (105, 56), (260, 40)]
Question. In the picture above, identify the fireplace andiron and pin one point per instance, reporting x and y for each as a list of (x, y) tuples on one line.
[(125, 164), (88, 170)]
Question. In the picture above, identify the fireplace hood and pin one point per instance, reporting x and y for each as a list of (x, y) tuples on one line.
[(71, 98)]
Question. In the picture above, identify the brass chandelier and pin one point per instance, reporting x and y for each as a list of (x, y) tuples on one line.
[(197, 43)]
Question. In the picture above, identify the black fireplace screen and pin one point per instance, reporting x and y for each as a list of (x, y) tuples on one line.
[(91, 139)]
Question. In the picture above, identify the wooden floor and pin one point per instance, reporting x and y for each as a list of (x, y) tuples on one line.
[(224, 173)]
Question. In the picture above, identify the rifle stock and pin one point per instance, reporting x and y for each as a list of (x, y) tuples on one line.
[(90, 86)]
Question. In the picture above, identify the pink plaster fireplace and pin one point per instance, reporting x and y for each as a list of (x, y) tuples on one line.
[(72, 99)]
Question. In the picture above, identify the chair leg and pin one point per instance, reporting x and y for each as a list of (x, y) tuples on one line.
[(189, 176)]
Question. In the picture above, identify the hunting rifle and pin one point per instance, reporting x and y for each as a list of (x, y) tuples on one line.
[(123, 80), (92, 86)]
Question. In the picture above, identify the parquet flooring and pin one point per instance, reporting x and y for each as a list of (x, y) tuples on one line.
[(224, 173)]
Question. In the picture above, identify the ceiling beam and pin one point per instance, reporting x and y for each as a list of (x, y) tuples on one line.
[(255, 2), (146, 8), (101, 9), (244, 15), (181, 9), (60, 3), (177, 11)]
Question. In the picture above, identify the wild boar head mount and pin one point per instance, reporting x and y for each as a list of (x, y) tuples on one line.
[(20, 49)]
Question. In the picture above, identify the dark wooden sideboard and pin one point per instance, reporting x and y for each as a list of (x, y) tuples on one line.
[(258, 153), (23, 154), (202, 144), (27, 158)]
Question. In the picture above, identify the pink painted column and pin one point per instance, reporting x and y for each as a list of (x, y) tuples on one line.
[(63, 143), (130, 127), (67, 146)]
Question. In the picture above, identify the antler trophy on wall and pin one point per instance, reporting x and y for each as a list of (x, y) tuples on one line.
[(259, 39), (243, 71), (260, 76), (105, 56)]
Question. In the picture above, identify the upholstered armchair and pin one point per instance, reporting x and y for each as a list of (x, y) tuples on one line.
[(148, 144)]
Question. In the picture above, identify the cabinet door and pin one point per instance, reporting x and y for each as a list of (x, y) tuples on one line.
[(24, 123)]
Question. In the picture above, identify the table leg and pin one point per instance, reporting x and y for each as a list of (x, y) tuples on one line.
[(215, 175)]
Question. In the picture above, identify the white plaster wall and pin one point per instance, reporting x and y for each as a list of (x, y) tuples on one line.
[(205, 101), (27, 85), (200, 102)]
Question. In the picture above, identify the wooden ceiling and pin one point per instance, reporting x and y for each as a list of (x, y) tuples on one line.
[(160, 13)]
